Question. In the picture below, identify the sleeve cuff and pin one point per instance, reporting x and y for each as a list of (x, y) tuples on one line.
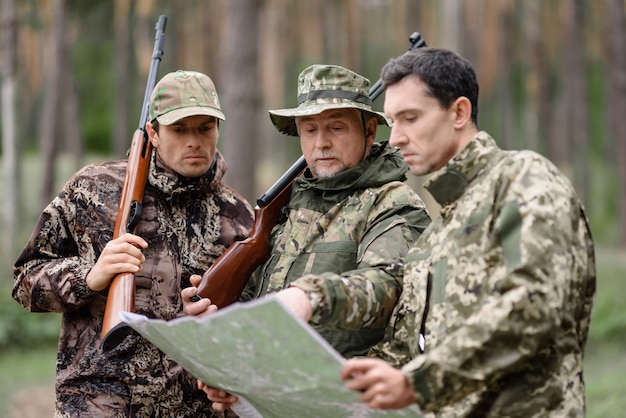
[(417, 379), (316, 296)]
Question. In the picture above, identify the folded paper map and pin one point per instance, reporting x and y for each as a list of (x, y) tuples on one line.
[(277, 364)]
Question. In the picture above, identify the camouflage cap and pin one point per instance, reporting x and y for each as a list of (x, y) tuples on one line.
[(181, 94), (324, 87)]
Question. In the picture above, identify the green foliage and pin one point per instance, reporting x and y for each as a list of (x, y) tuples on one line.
[(33, 368), (602, 205), (95, 86), (19, 328), (609, 315), (605, 359)]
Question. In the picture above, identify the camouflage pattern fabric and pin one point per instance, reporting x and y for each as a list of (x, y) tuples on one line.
[(344, 242), (507, 275), (187, 223), (181, 94), (325, 87)]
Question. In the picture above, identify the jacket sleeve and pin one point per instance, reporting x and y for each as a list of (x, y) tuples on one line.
[(365, 297), (49, 275), (540, 289)]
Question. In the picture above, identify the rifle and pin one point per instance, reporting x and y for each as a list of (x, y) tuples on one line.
[(121, 295), (224, 281)]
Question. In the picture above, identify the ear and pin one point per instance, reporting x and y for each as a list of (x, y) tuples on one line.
[(462, 112), (370, 131), (152, 135)]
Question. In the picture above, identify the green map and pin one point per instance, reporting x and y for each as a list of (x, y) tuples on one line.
[(276, 364)]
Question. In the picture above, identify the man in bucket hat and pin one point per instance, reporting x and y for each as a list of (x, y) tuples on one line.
[(189, 218), (351, 218)]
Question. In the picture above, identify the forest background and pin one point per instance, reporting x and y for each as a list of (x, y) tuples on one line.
[(552, 75)]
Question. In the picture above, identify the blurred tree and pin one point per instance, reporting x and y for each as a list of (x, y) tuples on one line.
[(576, 97), (11, 197), (274, 157), (616, 53), (121, 117), (50, 126), (504, 110), (240, 93)]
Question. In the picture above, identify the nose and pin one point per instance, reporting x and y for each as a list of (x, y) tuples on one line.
[(193, 140), (396, 137), (322, 139)]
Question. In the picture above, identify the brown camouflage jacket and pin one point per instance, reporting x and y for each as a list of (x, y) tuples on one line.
[(506, 275), (343, 242), (187, 223)]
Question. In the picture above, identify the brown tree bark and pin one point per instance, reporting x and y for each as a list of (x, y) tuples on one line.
[(70, 107), (506, 105), (240, 94), (273, 150), (122, 131), (49, 127), (10, 153)]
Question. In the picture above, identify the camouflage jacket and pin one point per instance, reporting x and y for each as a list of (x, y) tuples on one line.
[(344, 242), (187, 223), (506, 275)]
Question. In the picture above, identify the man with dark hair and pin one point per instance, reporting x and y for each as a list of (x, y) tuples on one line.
[(494, 314), (189, 218)]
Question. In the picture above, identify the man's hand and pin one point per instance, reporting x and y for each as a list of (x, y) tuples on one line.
[(202, 306), (221, 399), (121, 255), (296, 300), (383, 386)]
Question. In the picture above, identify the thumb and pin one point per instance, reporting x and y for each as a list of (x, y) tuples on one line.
[(195, 280)]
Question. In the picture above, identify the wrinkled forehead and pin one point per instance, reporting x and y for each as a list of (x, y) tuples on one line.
[(347, 114)]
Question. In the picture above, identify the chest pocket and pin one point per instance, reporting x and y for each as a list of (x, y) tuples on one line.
[(333, 257)]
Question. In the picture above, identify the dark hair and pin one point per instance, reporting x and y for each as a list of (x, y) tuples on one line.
[(447, 75)]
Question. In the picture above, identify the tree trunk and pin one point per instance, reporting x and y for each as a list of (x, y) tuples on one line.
[(121, 114), (275, 158), (617, 100), (10, 155), (69, 104), (51, 108), (533, 76), (576, 100), (505, 96), (241, 95)]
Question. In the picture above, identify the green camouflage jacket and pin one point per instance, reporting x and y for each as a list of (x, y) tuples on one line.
[(187, 223), (344, 242), (507, 277)]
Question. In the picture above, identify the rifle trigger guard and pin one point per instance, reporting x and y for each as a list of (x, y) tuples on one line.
[(134, 215)]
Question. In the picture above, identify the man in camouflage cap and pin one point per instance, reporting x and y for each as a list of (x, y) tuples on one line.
[(498, 291), (189, 218), (351, 217)]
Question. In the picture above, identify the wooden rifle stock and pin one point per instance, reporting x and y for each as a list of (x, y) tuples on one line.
[(121, 296), (224, 281)]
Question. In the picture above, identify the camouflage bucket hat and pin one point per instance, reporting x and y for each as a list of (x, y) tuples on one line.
[(181, 94), (324, 87)]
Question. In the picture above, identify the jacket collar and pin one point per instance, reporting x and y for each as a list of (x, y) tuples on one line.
[(449, 183), (162, 177)]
